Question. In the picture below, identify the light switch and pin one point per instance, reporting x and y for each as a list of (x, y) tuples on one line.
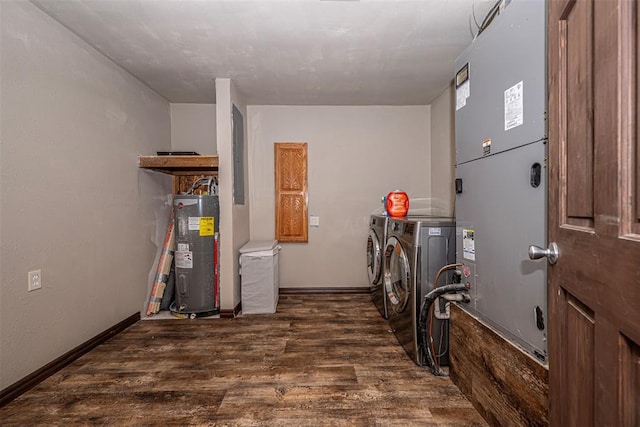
[(314, 221)]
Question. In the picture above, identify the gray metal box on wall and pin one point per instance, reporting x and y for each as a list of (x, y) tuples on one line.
[(511, 51), (501, 176), (499, 216), (259, 277)]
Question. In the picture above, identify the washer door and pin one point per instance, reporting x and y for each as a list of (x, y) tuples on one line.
[(374, 258), (397, 276)]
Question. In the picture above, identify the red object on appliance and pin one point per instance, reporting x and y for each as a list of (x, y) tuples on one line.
[(397, 204)]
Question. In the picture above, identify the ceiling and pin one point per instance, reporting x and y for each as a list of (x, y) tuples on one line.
[(296, 52)]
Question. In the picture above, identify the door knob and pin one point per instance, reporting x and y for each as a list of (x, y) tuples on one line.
[(551, 253)]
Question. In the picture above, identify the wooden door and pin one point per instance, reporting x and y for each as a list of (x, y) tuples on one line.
[(291, 192), (594, 213)]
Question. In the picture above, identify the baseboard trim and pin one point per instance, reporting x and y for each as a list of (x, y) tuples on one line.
[(352, 290), (36, 377), (230, 314)]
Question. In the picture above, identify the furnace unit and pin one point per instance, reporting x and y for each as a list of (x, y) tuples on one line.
[(501, 178)]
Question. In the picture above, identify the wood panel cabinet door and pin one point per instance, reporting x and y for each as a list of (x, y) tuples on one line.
[(291, 192), (594, 213)]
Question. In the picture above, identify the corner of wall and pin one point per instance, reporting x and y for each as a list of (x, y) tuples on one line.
[(234, 219), (443, 152), (241, 213)]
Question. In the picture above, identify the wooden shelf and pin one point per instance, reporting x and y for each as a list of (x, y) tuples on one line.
[(180, 165)]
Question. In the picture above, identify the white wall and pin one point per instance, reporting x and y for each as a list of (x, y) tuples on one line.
[(73, 202), (193, 128), (443, 153), (356, 155), (234, 219)]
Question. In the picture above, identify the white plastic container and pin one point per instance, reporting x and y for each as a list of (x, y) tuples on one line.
[(259, 276)]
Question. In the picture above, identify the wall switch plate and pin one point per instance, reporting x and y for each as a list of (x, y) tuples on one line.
[(35, 280), (314, 220)]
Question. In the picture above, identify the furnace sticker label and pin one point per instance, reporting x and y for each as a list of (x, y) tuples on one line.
[(206, 226), (486, 147), (183, 247), (462, 94), (513, 107), (468, 245), (184, 259), (435, 232)]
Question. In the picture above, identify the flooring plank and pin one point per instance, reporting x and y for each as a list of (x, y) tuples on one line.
[(320, 360)]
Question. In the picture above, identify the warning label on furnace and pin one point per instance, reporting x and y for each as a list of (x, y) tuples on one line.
[(463, 92), (184, 259), (513, 107), (486, 147), (206, 226), (468, 245)]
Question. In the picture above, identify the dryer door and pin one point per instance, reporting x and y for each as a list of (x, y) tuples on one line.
[(397, 276), (374, 257)]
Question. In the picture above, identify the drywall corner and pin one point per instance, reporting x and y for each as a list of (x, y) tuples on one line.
[(443, 153), (234, 219)]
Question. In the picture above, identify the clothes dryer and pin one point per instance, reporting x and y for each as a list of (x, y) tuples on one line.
[(416, 248), (375, 263)]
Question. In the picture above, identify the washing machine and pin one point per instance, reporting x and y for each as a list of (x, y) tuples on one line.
[(416, 248), (375, 263)]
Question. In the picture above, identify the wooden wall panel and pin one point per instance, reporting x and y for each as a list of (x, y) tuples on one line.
[(505, 384), (291, 192), (580, 364), (577, 74), (629, 356), (292, 168), (290, 221)]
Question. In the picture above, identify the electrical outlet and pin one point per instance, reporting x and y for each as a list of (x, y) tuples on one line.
[(35, 280)]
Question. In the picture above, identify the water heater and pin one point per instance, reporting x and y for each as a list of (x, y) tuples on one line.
[(196, 256)]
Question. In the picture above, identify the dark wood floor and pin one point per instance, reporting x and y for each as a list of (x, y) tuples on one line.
[(320, 360)]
